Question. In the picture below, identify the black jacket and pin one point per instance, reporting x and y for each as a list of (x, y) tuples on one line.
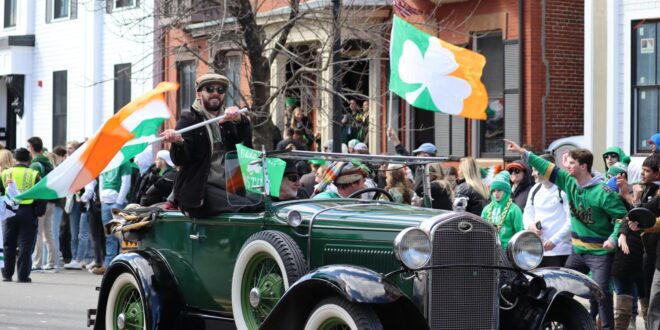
[(476, 202), (520, 195), (650, 200), (157, 187), (193, 155), (629, 266), (441, 196)]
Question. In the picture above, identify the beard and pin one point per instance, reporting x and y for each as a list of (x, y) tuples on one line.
[(212, 103)]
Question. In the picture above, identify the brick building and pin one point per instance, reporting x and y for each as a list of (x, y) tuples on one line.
[(535, 100)]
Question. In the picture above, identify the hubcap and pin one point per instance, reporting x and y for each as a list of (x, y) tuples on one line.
[(255, 297), (121, 321)]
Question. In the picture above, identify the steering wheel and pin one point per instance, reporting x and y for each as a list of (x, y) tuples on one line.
[(379, 191)]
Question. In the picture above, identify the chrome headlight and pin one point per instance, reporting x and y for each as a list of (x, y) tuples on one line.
[(525, 250), (412, 247), (293, 218)]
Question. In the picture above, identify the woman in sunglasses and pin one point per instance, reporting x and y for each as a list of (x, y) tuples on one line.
[(521, 182)]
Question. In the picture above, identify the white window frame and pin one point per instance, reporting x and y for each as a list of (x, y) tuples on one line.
[(9, 28), (64, 18), (115, 8)]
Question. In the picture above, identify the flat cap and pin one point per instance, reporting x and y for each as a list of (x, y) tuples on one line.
[(210, 78)]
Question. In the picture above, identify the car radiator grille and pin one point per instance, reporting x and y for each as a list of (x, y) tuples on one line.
[(464, 298)]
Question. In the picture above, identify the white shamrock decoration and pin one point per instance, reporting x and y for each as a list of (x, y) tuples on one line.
[(432, 71)]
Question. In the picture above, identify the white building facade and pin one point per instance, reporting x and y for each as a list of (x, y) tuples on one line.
[(68, 65), (622, 75)]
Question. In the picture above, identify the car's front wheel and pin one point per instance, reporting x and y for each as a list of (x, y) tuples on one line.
[(125, 308), (335, 313), (268, 263), (568, 315)]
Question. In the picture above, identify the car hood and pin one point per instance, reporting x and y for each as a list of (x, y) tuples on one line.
[(356, 213)]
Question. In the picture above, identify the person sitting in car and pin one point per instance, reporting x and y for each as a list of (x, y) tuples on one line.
[(348, 177), (291, 188)]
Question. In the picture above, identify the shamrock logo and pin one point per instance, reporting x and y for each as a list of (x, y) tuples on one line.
[(432, 70)]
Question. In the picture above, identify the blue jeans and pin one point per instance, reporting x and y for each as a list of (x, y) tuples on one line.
[(600, 267), (112, 244), (57, 222), (79, 233)]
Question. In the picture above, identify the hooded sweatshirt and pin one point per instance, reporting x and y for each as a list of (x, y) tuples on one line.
[(622, 156), (505, 215), (522, 190), (596, 210)]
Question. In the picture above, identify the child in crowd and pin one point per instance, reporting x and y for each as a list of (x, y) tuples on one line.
[(502, 212)]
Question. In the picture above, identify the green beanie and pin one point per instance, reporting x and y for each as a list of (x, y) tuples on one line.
[(502, 181), (618, 167)]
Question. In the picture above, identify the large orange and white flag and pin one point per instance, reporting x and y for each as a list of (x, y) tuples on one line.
[(435, 75), (121, 137)]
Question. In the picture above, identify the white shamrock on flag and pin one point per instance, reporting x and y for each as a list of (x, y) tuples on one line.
[(432, 70)]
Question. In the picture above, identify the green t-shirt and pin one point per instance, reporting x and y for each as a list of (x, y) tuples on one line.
[(112, 179), (326, 194), (596, 210)]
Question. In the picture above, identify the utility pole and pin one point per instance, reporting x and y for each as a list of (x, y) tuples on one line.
[(336, 82)]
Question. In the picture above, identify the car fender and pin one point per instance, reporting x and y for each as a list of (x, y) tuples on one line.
[(353, 283), (158, 285), (564, 280)]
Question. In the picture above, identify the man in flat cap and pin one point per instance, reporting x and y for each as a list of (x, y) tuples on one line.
[(200, 188)]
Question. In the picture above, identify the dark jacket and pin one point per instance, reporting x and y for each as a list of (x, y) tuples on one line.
[(155, 188), (520, 195), (441, 196), (193, 155), (284, 143), (629, 266), (475, 202), (650, 200)]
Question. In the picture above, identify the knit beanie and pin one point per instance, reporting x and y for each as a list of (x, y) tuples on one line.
[(501, 182), (618, 167)]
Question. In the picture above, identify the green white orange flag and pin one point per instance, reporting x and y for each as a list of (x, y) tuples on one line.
[(121, 137), (253, 174), (434, 75)]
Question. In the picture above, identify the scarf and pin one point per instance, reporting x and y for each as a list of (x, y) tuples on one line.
[(214, 130), (497, 210)]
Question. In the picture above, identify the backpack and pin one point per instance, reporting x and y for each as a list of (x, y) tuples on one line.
[(538, 187)]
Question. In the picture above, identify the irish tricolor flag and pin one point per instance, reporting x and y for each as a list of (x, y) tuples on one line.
[(435, 75), (120, 138)]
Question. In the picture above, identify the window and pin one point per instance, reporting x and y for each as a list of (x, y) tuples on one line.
[(186, 78), (10, 13), (491, 131), (232, 70), (59, 107), (119, 4), (122, 85), (60, 9), (645, 83)]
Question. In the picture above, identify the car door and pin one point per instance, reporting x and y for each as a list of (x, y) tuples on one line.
[(216, 242)]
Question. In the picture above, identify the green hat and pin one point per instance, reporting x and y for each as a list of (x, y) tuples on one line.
[(502, 181), (618, 167), (317, 162), (290, 101)]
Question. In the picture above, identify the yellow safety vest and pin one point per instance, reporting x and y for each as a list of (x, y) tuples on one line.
[(24, 177)]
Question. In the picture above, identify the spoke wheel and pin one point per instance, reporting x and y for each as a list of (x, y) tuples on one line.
[(263, 285), (268, 263), (335, 313), (125, 309)]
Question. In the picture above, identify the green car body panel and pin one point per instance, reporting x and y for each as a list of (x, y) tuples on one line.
[(202, 252)]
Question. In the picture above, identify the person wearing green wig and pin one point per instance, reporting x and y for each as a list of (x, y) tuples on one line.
[(502, 212)]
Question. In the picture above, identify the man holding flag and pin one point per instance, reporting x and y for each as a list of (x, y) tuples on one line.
[(200, 188)]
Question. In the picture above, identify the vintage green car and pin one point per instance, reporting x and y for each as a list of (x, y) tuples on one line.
[(336, 264)]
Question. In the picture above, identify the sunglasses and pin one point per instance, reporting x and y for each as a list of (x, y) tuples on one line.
[(211, 89), (611, 156), (293, 177), (514, 170)]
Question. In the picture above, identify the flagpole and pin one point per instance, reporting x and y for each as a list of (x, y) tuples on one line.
[(198, 125), (389, 112)]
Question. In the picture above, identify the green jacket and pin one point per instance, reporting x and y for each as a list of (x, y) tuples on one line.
[(41, 164), (596, 210), (507, 226)]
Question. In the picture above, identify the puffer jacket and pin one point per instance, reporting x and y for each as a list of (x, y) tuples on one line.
[(474, 202)]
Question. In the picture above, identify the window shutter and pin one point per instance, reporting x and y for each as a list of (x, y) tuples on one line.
[(49, 10), (512, 109), (442, 134), (458, 136), (108, 6), (74, 9)]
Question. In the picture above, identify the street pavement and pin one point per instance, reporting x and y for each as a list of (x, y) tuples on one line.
[(51, 301)]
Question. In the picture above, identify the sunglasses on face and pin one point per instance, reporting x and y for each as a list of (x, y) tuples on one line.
[(514, 170), (612, 156), (293, 177), (212, 89)]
